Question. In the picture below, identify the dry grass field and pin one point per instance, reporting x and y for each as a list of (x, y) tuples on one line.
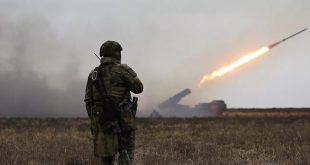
[(227, 140)]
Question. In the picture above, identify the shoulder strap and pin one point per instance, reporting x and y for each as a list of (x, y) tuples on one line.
[(100, 86)]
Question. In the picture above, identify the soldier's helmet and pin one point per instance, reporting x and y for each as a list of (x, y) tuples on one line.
[(109, 48)]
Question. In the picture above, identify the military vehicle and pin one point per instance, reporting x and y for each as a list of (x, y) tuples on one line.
[(172, 108)]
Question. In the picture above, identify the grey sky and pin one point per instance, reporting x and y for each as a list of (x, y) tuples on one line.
[(170, 44)]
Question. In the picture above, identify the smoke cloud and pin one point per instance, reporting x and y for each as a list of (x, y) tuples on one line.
[(25, 88)]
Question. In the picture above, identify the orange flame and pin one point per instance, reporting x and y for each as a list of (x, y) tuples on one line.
[(228, 68)]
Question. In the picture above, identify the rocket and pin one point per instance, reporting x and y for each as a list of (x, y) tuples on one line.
[(242, 60), (279, 42)]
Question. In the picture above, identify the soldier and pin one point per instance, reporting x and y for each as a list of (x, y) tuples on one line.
[(110, 107)]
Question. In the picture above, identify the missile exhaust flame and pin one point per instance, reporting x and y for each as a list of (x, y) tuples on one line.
[(243, 60), (228, 68)]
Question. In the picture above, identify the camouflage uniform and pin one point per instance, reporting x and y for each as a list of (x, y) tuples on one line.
[(112, 133)]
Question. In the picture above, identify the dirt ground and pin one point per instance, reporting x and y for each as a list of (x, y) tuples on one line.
[(227, 140)]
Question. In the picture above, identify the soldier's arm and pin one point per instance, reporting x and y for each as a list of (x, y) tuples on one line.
[(131, 79), (88, 95)]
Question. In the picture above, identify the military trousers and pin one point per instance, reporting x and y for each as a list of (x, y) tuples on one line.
[(109, 140), (126, 150)]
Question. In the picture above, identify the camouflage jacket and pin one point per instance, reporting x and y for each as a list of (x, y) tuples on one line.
[(119, 80)]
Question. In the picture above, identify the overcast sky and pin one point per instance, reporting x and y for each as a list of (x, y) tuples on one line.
[(46, 50)]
